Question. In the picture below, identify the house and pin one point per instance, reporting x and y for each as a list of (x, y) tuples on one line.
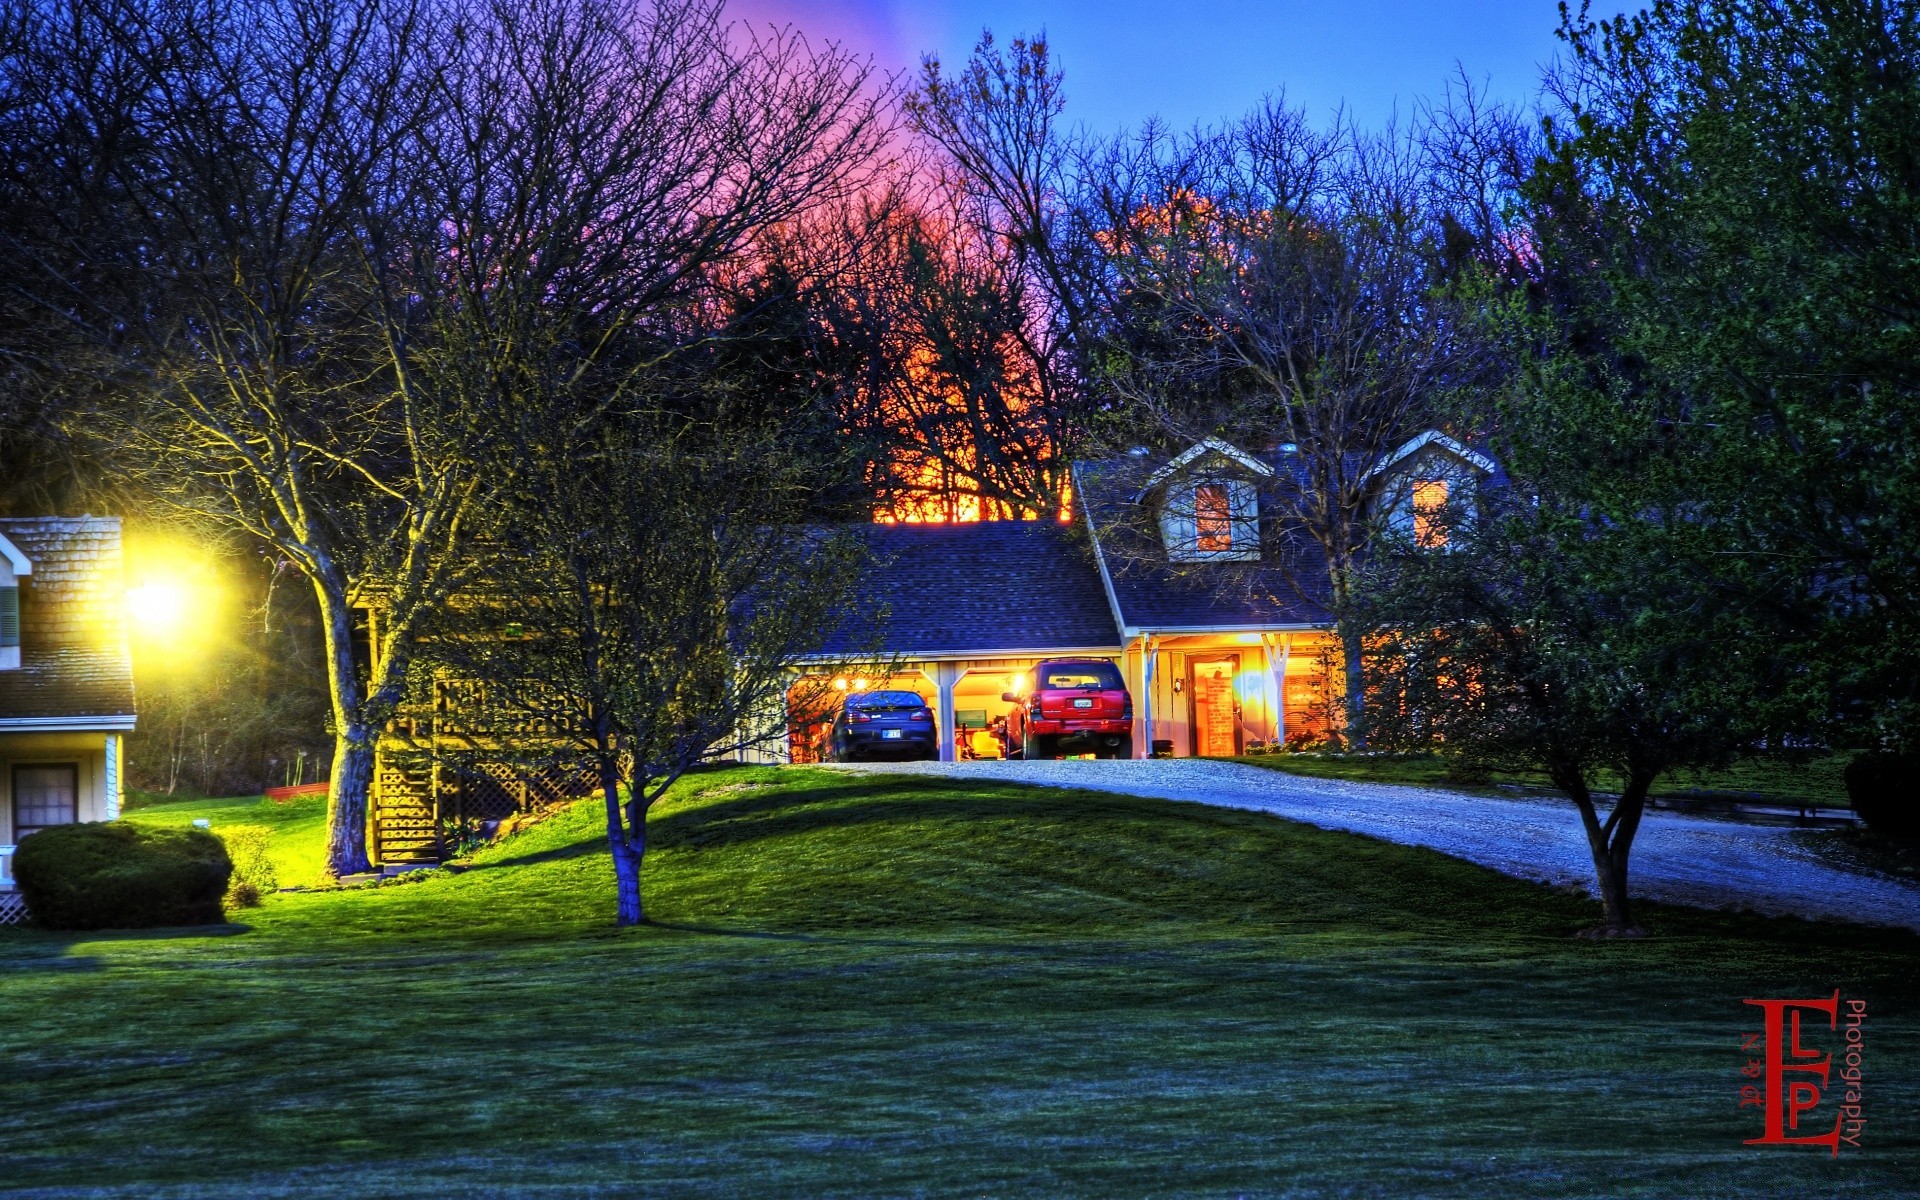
[(1217, 613), (1215, 610), (66, 679)]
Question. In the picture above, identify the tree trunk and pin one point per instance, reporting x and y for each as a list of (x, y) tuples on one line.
[(628, 845), (1610, 843), (347, 803), (1356, 687), (353, 740)]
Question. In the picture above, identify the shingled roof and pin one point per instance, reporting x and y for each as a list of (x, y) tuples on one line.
[(74, 662), (991, 587), (1153, 595)]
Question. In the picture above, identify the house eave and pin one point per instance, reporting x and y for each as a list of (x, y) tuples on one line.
[(919, 656), (122, 723)]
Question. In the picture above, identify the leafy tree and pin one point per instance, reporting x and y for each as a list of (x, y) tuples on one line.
[(1730, 219), (1564, 628)]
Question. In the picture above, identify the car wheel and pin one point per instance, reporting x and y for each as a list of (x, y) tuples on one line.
[(1038, 747), (1124, 749)]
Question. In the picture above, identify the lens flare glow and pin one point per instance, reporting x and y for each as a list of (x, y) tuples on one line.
[(159, 607)]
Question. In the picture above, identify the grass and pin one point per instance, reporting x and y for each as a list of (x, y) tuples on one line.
[(298, 846), (889, 986), (1817, 781)]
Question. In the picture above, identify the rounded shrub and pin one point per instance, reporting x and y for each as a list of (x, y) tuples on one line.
[(119, 875), (1885, 791)]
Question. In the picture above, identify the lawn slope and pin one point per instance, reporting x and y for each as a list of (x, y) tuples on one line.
[(865, 986)]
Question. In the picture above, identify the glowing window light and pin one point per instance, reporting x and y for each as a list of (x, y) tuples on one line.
[(1429, 512)]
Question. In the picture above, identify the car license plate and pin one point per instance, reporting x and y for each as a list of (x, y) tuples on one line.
[(889, 733), (1083, 704)]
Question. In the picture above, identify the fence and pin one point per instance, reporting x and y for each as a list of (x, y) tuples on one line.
[(13, 906)]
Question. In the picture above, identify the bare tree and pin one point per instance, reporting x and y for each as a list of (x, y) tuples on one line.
[(1277, 289), (343, 237), (974, 301), (668, 596)]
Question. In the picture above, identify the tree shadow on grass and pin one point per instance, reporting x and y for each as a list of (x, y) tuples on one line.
[(798, 811), (28, 948), (775, 812)]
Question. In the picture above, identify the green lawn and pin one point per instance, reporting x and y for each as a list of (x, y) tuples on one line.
[(299, 844), (1817, 781), (888, 986)]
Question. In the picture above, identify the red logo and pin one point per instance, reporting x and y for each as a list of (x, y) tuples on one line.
[(1795, 1077)]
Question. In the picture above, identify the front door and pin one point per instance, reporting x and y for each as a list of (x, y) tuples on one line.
[(1216, 706)]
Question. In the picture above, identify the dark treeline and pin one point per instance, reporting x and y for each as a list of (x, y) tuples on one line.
[(389, 286)]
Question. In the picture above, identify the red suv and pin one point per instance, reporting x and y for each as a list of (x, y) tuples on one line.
[(1075, 705)]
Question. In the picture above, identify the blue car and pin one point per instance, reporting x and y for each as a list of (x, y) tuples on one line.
[(883, 724)]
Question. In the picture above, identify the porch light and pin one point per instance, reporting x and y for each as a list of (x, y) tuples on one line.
[(840, 684), (157, 606), (859, 685)]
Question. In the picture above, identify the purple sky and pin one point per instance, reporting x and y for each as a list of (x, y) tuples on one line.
[(1126, 60)]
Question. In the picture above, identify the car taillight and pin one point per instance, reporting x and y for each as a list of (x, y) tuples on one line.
[(858, 717), (1126, 710), (923, 714), (1033, 704)]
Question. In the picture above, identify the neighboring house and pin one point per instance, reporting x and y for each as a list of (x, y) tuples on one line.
[(66, 678), (1217, 615)]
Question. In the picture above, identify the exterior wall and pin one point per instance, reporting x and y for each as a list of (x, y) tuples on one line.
[(1272, 706), (96, 759)]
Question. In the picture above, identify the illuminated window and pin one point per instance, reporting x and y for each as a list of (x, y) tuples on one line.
[(1429, 513), (1212, 519)]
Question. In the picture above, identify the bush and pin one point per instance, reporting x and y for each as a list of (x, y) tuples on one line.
[(119, 875), (1885, 791), (253, 875)]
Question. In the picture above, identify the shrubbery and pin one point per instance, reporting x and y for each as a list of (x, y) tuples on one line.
[(253, 875), (1885, 791), (119, 875)]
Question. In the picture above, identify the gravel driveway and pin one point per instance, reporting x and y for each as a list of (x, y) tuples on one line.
[(1677, 858)]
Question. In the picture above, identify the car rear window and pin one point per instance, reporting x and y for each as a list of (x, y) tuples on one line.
[(1080, 675), (885, 700)]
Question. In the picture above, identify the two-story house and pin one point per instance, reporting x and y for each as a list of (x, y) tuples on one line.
[(1215, 611), (66, 679)]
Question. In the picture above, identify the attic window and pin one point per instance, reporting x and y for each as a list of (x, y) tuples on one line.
[(1212, 519), (1429, 513)]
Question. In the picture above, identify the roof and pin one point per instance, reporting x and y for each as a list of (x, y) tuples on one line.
[(1151, 595), (1201, 450), (1432, 437), (74, 662), (986, 586)]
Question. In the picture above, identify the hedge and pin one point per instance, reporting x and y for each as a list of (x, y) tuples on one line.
[(119, 875)]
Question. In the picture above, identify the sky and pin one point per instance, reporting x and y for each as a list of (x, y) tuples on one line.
[(1126, 61)]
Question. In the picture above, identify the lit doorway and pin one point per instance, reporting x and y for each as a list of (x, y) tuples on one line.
[(1216, 705)]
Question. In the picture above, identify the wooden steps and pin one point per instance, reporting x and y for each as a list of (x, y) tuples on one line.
[(405, 820)]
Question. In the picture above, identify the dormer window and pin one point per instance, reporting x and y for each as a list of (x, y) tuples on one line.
[(1429, 513), (1212, 519)]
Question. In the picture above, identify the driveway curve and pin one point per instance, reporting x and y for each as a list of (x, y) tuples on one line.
[(1677, 858)]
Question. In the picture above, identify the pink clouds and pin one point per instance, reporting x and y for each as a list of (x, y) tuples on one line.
[(895, 34)]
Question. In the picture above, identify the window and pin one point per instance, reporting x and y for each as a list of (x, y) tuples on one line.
[(43, 796), (1429, 513), (1090, 675), (1212, 519)]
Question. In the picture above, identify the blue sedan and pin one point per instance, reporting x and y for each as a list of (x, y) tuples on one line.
[(894, 724)]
